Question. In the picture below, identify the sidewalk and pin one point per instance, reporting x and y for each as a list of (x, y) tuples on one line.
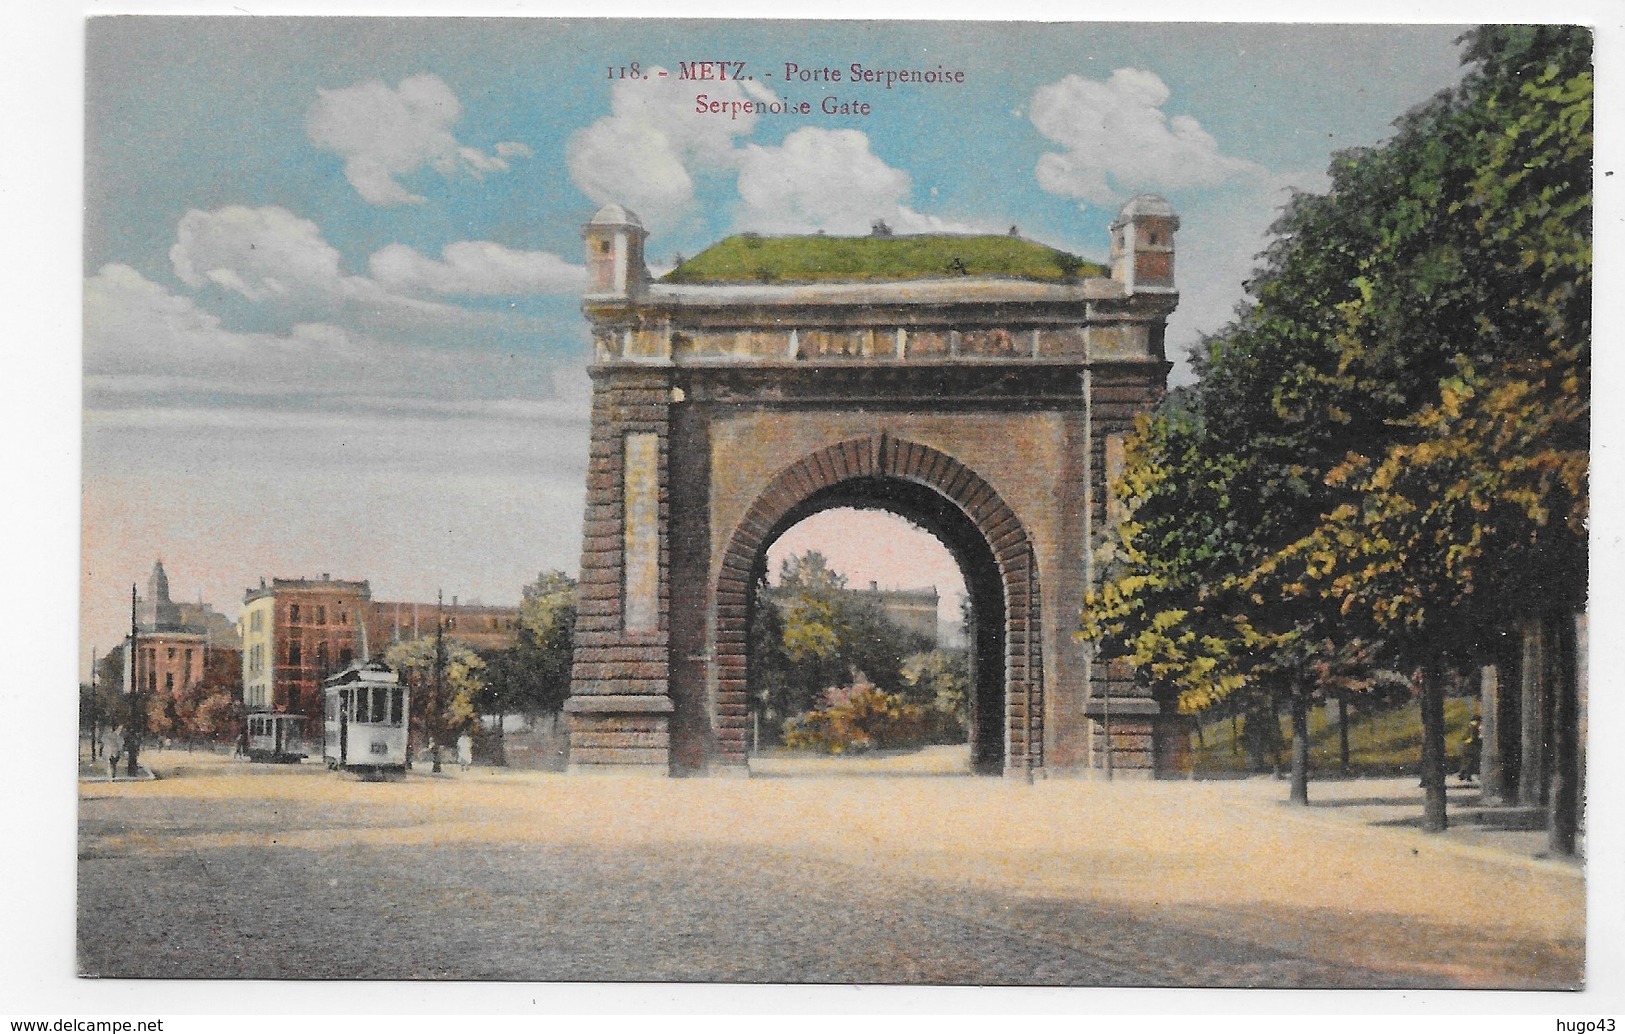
[(96, 772), (1395, 804)]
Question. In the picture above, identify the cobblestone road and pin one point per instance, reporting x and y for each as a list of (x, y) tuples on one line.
[(232, 871)]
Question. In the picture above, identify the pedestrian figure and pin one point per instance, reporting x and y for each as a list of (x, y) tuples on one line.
[(112, 764), (465, 751), (1472, 749)]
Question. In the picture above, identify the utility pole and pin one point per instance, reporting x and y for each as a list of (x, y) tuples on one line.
[(136, 725), (439, 676)]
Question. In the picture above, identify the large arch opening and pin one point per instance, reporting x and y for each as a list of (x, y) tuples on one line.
[(980, 532), (938, 517)]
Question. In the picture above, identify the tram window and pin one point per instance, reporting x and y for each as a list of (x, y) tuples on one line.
[(358, 704), (380, 706), (395, 701)]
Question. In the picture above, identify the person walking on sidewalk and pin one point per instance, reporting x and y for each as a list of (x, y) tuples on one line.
[(1472, 749)]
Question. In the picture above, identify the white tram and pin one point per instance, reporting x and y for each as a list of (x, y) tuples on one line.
[(276, 738), (366, 712)]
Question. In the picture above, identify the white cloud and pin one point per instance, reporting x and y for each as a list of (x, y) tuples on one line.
[(144, 341), (1118, 141), (260, 253), (643, 153), (476, 268), (383, 134), (274, 257), (134, 327), (826, 179)]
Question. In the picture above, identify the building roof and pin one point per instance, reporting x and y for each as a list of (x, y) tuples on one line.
[(1146, 204), (754, 259), (615, 215), (324, 584)]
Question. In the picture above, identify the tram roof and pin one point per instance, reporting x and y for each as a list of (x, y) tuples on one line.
[(375, 672)]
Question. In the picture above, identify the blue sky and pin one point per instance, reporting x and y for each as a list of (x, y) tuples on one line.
[(327, 260)]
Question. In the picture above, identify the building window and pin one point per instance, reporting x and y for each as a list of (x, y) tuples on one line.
[(345, 657), (321, 656), (344, 617), (294, 656), (171, 653), (321, 615), (293, 698), (169, 682), (293, 613), (255, 621)]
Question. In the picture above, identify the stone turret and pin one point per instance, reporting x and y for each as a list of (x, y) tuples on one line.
[(615, 239), (1143, 245)]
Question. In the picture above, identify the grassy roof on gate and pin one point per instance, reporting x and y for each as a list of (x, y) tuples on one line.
[(750, 258)]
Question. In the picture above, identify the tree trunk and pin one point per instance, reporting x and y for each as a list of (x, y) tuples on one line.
[(1532, 708), (1276, 740), (1489, 730), (1300, 745), (1343, 733), (1564, 824), (1432, 701)]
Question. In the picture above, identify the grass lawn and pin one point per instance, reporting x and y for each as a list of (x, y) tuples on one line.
[(1384, 743), (750, 258)]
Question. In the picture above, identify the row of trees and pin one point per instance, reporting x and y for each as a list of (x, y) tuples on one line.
[(453, 684), (204, 711), (1384, 463)]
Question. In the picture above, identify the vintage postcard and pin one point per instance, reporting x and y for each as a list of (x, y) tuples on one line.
[(1064, 504)]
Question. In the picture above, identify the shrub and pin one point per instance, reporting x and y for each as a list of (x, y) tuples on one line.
[(859, 718)]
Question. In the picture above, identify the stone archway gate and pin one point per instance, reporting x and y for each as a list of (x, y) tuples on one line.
[(986, 407)]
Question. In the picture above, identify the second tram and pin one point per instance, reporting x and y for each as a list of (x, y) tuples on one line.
[(275, 737)]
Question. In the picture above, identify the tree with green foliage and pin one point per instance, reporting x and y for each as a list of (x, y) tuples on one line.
[(533, 676), (810, 634), (446, 677), (1389, 445), (940, 679)]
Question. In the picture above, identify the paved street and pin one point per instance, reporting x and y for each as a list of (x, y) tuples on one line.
[(875, 871)]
